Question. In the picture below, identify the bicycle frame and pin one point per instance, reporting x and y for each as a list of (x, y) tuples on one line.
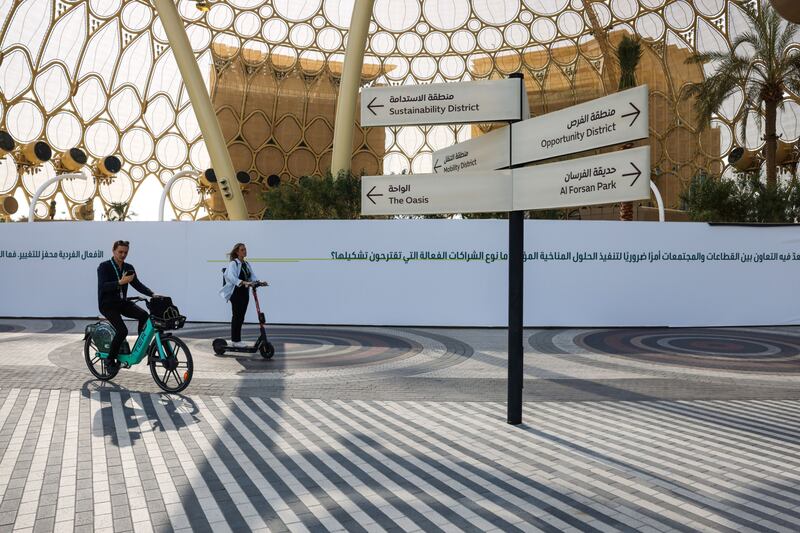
[(148, 335)]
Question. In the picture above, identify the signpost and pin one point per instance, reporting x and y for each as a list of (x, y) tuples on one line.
[(604, 179), (442, 103), (426, 194), (467, 177)]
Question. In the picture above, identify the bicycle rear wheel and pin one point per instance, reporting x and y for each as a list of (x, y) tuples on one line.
[(98, 366), (174, 373)]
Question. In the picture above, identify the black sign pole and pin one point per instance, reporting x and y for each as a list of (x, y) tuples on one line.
[(516, 238)]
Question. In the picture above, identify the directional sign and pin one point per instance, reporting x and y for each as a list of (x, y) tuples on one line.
[(603, 179), (487, 152), (615, 119), (426, 194), (442, 103)]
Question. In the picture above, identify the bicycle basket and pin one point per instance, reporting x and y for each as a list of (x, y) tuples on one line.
[(164, 314)]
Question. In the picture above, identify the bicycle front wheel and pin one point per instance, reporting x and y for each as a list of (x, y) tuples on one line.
[(98, 366), (174, 373)]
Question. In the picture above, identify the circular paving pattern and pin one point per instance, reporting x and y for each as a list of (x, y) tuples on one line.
[(307, 352), (730, 349), (310, 348)]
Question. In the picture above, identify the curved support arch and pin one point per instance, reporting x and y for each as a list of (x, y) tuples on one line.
[(342, 156), (659, 202), (45, 185), (168, 186)]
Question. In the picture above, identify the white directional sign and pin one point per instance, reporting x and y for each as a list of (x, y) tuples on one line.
[(487, 152), (615, 119), (603, 179), (426, 194), (443, 103)]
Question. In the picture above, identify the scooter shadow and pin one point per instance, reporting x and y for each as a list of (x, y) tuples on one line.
[(138, 412)]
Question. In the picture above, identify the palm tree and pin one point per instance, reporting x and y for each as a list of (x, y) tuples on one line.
[(762, 65), (118, 212), (629, 53)]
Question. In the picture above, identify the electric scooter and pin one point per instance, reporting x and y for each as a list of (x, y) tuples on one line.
[(262, 345)]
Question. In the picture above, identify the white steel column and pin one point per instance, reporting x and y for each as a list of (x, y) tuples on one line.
[(342, 156), (203, 110)]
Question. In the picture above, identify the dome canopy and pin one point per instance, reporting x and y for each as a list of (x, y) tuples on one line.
[(100, 75)]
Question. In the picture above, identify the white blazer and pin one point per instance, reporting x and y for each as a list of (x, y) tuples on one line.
[(232, 280)]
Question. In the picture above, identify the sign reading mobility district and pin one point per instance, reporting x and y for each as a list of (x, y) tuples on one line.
[(603, 179), (442, 103), (615, 119), (426, 194), (487, 152)]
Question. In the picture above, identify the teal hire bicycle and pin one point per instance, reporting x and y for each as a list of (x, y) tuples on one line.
[(168, 356)]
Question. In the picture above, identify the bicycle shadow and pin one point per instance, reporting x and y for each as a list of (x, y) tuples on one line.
[(121, 416)]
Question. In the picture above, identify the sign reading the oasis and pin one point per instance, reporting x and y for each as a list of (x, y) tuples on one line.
[(423, 194)]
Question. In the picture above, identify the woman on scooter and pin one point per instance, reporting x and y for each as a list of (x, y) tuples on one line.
[(239, 277)]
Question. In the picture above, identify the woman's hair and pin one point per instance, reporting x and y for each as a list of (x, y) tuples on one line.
[(234, 254)]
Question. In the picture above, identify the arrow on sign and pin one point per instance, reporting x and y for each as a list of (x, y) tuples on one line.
[(370, 195), (436, 166), (372, 104), (637, 174), (635, 114)]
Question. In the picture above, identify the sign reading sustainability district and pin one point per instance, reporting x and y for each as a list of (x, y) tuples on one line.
[(603, 179), (427, 194), (442, 103)]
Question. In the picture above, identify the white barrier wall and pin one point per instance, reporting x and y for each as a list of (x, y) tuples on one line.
[(422, 272)]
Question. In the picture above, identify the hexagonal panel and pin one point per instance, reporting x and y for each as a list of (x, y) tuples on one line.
[(256, 130), (288, 133)]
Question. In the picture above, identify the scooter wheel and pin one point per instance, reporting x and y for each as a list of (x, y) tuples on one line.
[(219, 346), (267, 350)]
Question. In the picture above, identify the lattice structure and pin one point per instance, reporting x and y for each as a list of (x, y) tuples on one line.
[(99, 75), (278, 118)]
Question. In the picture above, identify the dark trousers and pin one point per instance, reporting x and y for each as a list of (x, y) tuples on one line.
[(114, 314), (239, 302)]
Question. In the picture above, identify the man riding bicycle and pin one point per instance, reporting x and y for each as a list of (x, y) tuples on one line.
[(113, 278)]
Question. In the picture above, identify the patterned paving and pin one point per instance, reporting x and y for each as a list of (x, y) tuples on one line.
[(403, 429), (750, 350), (102, 460)]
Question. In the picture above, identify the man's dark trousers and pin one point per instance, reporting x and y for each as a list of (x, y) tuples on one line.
[(114, 313)]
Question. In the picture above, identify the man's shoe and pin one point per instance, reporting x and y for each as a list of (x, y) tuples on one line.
[(239, 344)]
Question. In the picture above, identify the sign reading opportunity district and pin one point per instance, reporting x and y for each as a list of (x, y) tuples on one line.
[(615, 119), (442, 103)]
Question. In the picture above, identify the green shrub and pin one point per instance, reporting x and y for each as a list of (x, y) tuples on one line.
[(743, 199), (315, 197)]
